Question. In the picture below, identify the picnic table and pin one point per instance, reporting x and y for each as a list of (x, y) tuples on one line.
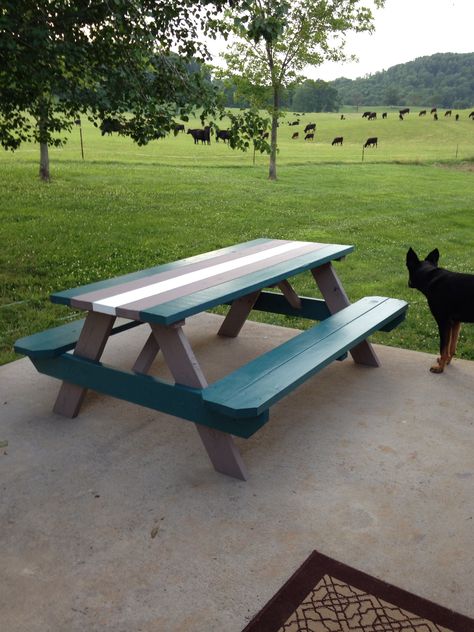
[(162, 297)]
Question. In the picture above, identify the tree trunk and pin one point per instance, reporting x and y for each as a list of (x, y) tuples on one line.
[(44, 162), (43, 140), (272, 173)]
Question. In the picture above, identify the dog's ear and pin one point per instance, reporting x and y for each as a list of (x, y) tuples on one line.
[(412, 258), (433, 257)]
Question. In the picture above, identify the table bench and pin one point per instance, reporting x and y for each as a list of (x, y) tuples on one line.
[(239, 403)]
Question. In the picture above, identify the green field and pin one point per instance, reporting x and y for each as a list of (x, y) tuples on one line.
[(127, 207)]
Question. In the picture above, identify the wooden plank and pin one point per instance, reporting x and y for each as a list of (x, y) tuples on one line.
[(179, 309), (336, 299), (275, 303), (91, 343), (290, 294), (64, 297), (172, 277), (145, 390), (58, 340), (182, 363), (253, 388)]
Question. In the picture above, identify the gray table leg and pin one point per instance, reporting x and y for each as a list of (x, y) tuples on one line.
[(185, 369), (336, 299), (147, 355), (94, 335), (237, 315)]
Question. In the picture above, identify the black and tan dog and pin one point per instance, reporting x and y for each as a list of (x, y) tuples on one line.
[(450, 298)]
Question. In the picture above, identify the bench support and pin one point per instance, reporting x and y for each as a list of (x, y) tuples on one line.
[(94, 335), (147, 355), (220, 446), (336, 299), (237, 315)]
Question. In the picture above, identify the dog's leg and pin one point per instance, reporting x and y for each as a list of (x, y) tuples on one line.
[(444, 346), (455, 329)]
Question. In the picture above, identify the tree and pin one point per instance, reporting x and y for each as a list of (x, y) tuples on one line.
[(276, 39), (315, 96), (60, 59)]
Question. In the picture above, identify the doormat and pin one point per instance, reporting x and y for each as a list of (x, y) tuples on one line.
[(327, 596)]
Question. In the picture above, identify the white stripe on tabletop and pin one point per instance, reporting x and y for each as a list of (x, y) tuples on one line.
[(109, 304)]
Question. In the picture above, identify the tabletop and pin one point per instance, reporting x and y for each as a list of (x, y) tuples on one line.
[(168, 293)]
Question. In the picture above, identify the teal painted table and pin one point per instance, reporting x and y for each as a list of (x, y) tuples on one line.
[(162, 298)]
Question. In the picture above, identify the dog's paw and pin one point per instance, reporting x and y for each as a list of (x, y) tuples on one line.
[(436, 368)]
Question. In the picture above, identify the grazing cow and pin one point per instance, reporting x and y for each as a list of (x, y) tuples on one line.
[(404, 111), (343, 118), (448, 113), (435, 116), (295, 135), (422, 113), (471, 115), (457, 117), (366, 114), (224, 134), (265, 135), (433, 110), (297, 122), (384, 115), (400, 116), (309, 136), (371, 142), (310, 127), (338, 140), (372, 116), (110, 125), (203, 135), (177, 127)]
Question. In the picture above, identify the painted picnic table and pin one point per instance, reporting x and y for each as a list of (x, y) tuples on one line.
[(162, 297)]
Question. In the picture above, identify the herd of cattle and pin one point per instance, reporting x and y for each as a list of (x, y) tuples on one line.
[(203, 135)]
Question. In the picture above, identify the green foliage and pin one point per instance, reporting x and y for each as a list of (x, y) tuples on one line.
[(62, 59), (441, 80), (315, 96)]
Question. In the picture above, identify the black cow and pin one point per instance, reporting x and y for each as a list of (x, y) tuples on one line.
[(177, 127), (433, 110), (224, 134), (295, 135), (435, 116), (457, 117), (448, 113), (471, 115), (309, 136), (310, 127), (400, 116), (343, 118), (265, 134), (372, 116), (366, 114), (384, 115), (203, 135), (110, 125), (422, 113), (371, 142), (338, 140), (404, 111), (297, 122)]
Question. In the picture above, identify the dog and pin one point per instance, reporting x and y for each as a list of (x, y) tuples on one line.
[(450, 298)]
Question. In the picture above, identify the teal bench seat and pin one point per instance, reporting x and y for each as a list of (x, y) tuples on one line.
[(237, 404), (57, 340), (253, 388)]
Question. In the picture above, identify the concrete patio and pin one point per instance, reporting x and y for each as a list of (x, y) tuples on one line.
[(116, 521)]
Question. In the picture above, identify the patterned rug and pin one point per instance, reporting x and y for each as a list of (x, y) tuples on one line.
[(327, 596)]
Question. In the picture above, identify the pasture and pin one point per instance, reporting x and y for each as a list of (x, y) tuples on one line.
[(127, 207)]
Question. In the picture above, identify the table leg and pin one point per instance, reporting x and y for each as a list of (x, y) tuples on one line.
[(185, 369), (237, 315), (290, 294), (336, 299), (147, 355), (94, 335)]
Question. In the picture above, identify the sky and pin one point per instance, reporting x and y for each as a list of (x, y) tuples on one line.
[(404, 30)]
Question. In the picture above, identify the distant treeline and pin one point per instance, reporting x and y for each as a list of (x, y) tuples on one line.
[(444, 80)]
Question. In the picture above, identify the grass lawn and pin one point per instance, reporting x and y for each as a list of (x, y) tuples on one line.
[(127, 207)]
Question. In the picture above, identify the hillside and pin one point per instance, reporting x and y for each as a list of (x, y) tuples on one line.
[(443, 80)]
